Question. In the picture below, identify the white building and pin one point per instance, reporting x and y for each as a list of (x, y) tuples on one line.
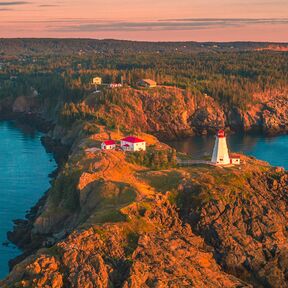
[(115, 85), (235, 160), (220, 152), (132, 143), (97, 81), (147, 83), (108, 145)]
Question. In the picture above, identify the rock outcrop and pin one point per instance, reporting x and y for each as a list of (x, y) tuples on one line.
[(167, 113), (246, 224), (167, 254), (186, 227), (175, 113)]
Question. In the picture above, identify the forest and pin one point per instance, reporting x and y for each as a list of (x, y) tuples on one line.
[(230, 76)]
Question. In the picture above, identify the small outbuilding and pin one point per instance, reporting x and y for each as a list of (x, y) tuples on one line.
[(97, 81), (147, 83), (115, 85), (108, 145), (235, 160), (133, 144)]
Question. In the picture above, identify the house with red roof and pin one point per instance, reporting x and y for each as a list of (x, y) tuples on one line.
[(108, 145), (235, 159), (133, 144)]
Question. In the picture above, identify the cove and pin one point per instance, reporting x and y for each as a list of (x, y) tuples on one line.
[(24, 170), (271, 149)]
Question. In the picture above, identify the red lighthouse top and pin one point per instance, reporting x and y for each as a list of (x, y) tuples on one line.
[(221, 134)]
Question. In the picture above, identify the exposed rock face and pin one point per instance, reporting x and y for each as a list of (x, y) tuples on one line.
[(172, 113), (248, 232), (170, 255), (275, 115), (176, 259), (25, 104), (169, 113)]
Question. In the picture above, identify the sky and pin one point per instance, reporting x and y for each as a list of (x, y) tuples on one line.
[(148, 20)]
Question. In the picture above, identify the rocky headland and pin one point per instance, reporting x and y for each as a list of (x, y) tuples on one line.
[(109, 221)]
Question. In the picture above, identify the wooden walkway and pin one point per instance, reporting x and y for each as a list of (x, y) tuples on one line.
[(193, 162)]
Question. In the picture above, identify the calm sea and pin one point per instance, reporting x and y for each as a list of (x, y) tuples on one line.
[(271, 149), (24, 169)]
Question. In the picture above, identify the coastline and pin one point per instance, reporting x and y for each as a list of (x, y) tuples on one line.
[(20, 236)]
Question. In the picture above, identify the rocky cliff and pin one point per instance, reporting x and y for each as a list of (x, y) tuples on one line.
[(167, 254), (170, 113), (166, 112), (245, 221)]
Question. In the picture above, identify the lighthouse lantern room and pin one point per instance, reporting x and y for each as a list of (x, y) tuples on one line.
[(220, 152)]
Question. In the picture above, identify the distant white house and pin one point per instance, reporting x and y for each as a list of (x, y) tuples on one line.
[(147, 83), (97, 81), (108, 145), (133, 144), (115, 85)]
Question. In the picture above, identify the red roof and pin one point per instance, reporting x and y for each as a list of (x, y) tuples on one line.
[(235, 156), (221, 134), (109, 142), (132, 139)]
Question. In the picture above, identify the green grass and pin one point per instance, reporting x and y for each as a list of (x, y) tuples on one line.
[(107, 199), (164, 181), (107, 215)]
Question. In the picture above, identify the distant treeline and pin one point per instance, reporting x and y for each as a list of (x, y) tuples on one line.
[(231, 73), (30, 47)]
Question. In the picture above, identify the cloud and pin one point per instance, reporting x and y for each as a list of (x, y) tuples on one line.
[(48, 5), (14, 3), (161, 25), (232, 20)]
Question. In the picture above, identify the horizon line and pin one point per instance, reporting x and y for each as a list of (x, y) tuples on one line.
[(138, 41)]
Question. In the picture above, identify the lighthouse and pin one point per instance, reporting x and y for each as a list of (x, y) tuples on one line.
[(220, 152)]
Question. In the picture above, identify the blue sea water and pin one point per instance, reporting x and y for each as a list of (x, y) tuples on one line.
[(271, 149), (24, 169)]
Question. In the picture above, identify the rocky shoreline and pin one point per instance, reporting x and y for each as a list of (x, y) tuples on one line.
[(21, 233)]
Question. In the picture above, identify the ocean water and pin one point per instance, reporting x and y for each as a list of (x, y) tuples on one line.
[(271, 149), (24, 169)]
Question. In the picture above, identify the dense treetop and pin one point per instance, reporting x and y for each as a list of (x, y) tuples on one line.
[(62, 69)]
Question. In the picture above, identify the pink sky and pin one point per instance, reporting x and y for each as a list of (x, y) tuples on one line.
[(152, 20)]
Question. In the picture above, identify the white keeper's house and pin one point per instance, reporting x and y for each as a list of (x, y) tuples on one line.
[(133, 144)]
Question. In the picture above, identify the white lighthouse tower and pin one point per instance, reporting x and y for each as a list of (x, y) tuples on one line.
[(220, 152)]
